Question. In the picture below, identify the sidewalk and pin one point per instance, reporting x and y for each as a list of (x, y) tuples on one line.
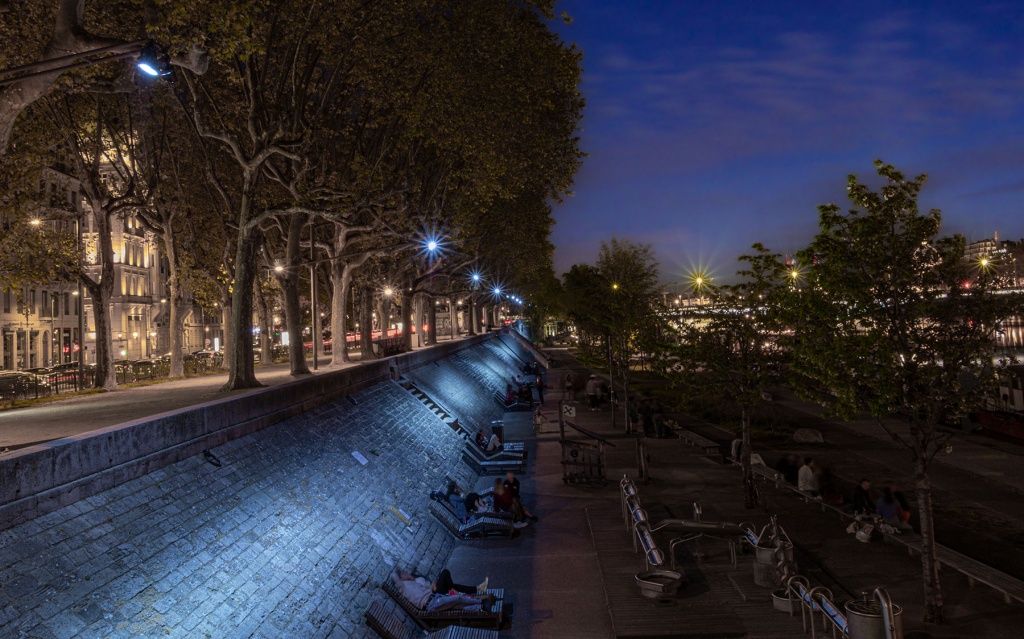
[(21, 427)]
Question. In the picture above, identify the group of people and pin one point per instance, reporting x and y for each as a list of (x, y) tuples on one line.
[(594, 389), (505, 499), (891, 506)]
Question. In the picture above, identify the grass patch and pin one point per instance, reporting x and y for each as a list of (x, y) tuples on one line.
[(49, 399)]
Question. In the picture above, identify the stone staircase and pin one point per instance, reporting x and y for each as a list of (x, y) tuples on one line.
[(442, 413)]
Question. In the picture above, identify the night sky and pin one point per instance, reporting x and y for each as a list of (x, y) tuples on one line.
[(712, 125)]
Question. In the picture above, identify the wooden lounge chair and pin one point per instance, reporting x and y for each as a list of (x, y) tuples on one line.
[(493, 467), (479, 526), (490, 513), (515, 406), (483, 455), (389, 626), (431, 619)]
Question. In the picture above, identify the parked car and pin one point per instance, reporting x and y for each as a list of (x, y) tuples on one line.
[(44, 376), (146, 368), (14, 383)]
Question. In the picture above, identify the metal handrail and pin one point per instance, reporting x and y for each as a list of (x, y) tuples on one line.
[(890, 619)]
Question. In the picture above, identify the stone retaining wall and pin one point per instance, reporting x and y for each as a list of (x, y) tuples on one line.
[(42, 478)]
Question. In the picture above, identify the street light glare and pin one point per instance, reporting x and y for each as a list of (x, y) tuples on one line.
[(35, 221), (431, 245), (148, 70), (388, 292), (278, 268)]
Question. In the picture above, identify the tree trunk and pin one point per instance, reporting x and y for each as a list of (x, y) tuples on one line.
[(106, 377), (175, 301), (366, 325), (431, 331), (263, 312), (472, 313), (749, 499), (292, 307), (241, 373), (293, 323), (101, 293), (929, 566), (179, 311), (407, 318), (417, 314), (341, 279), (225, 331)]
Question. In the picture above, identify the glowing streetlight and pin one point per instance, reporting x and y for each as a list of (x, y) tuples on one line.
[(615, 286), (35, 221), (278, 268), (476, 277), (388, 292), (431, 245)]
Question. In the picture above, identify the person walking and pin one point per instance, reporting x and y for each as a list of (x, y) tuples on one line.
[(539, 383), (569, 387), (593, 390)]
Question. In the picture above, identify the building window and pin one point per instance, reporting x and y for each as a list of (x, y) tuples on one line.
[(67, 305), (7, 301)]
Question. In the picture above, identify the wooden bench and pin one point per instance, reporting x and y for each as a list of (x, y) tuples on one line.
[(516, 406), (427, 619), (389, 626), (705, 445)]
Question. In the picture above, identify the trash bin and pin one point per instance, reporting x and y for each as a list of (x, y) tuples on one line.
[(865, 619), (766, 563)]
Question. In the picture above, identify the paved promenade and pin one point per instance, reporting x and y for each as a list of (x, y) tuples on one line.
[(291, 535)]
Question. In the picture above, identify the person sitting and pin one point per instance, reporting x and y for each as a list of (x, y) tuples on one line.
[(862, 502), (889, 510), (466, 506), (510, 395), (443, 594), (481, 439), (901, 499), (511, 484), (493, 444), (505, 502)]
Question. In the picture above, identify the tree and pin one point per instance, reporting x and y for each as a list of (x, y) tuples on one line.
[(615, 302), (43, 32), (737, 355), (894, 323)]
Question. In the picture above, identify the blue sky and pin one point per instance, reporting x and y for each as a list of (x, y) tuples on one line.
[(712, 125)]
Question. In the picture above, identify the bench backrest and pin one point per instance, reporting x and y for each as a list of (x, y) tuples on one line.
[(446, 516)]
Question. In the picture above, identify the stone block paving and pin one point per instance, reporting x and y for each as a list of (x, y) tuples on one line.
[(488, 371), (496, 350), (466, 395), (289, 538)]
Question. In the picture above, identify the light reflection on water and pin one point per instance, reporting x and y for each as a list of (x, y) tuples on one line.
[(1010, 340)]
